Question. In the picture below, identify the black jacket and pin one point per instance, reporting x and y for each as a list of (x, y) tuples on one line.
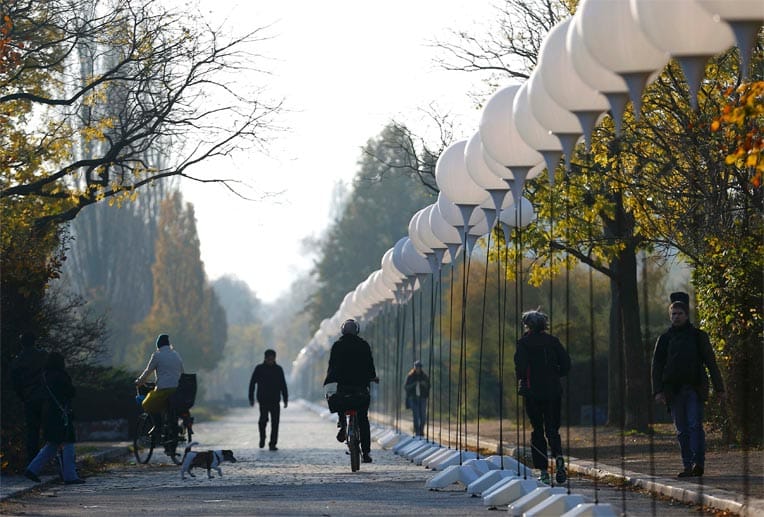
[(26, 374), (58, 425), (414, 378), (350, 362), (540, 361), (271, 384), (681, 357)]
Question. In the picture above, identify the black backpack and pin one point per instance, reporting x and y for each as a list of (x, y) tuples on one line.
[(184, 397)]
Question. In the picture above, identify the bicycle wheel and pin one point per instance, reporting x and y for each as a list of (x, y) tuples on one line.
[(143, 443), (354, 444)]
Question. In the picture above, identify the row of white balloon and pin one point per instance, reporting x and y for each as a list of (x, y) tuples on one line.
[(589, 64)]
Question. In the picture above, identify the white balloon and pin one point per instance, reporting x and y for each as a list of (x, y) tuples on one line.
[(477, 167), (453, 179), (687, 31)]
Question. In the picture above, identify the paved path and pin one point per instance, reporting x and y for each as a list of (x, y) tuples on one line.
[(308, 475)]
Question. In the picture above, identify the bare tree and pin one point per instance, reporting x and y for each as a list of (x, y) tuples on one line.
[(174, 85)]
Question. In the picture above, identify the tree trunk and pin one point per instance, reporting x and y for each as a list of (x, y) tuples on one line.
[(615, 396), (635, 360)]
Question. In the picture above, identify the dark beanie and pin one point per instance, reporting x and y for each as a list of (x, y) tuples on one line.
[(270, 353), (163, 340), (680, 296)]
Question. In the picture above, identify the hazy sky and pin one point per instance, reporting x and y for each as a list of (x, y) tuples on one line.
[(345, 68)]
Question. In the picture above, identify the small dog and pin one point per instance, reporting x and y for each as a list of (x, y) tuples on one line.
[(207, 459)]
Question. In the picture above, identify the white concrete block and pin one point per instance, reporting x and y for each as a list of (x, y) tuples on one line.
[(421, 455), (458, 458), (487, 480), (410, 452), (508, 490), (389, 439), (591, 510), (555, 505), (436, 456), (463, 474), (528, 501), (404, 441)]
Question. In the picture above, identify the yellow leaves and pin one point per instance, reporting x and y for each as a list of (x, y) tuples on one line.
[(743, 120)]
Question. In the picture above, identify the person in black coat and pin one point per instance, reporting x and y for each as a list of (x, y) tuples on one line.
[(351, 366), (26, 375), (540, 361), (271, 387), (681, 357), (417, 388), (58, 426)]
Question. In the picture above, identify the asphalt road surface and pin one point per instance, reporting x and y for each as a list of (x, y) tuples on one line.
[(308, 475)]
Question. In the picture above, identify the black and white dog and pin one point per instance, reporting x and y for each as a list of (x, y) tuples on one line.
[(207, 459)]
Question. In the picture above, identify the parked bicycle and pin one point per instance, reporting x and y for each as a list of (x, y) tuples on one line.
[(176, 427)]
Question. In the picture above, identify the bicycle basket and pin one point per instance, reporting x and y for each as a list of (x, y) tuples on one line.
[(184, 397)]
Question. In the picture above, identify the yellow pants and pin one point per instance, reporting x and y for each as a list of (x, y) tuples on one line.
[(156, 400)]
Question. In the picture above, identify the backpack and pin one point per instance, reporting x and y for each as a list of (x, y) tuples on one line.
[(184, 397)]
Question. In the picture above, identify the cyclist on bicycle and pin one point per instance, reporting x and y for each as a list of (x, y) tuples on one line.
[(167, 366), (351, 366)]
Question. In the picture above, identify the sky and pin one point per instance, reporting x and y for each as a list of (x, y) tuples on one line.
[(344, 69)]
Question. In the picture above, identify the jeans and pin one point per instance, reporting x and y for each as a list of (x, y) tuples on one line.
[(419, 412), (275, 412), (687, 412), (48, 452), (545, 420)]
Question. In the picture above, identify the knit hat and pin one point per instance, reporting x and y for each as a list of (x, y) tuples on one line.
[(163, 340), (417, 363), (680, 296)]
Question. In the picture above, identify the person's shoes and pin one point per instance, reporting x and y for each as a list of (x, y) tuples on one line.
[(77, 481), (342, 435), (262, 442), (697, 471), (366, 458), (544, 477), (32, 476), (561, 474), (272, 447), (686, 473)]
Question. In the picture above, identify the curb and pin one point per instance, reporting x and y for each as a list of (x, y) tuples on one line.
[(688, 493)]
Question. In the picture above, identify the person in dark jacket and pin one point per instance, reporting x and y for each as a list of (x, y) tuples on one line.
[(271, 387), (58, 427), (351, 366), (26, 376), (540, 361), (417, 388), (680, 359)]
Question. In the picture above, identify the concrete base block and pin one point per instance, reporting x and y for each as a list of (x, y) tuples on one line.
[(510, 463), (508, 490), (410, 452), (464, 474), (435, 456), (415, 443), (487, 480), (591, 510), (458, 458), (389, 439), (419, 457), (555, 505), (404, 441), (528, 501), (481, 466)]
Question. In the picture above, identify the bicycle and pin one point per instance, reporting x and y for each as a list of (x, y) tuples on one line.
[(147, 436), (353, 439)]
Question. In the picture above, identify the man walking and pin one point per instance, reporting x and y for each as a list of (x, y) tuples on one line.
[(680, 359), (271, 387)]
